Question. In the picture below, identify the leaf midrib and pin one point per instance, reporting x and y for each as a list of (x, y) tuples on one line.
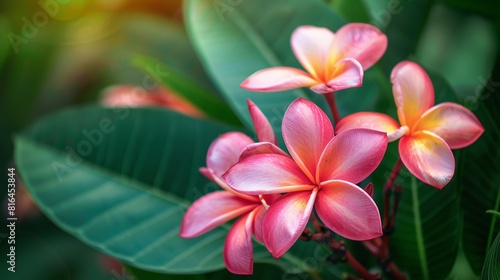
[(493, 222), (418, 228)]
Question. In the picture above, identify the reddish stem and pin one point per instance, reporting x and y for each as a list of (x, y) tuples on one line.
[(330, 99), (339, 246), (388, 190)]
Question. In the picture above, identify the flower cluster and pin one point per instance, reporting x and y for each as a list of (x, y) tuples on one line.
[(274, 193)]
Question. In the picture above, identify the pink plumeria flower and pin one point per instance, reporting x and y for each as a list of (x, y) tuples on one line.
[(321, 173), (333, 61), (427, 132), (133, 96), (219, 207)]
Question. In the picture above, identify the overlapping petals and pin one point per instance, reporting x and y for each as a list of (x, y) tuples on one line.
[(333, 61), (204, 215), (286, 219), (427, 132), (306, 131), (352, 156), (319, 162), (238, 249), (219, 207), (454, 123)]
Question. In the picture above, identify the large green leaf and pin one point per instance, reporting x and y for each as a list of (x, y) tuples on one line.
[(426, 225), (491, 268), (480, 180), (127, 196), (120, 180), (234, 39)]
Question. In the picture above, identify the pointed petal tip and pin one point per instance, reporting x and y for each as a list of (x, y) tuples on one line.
[(238, 249), (348, 210), (457, 125), (361, 41)]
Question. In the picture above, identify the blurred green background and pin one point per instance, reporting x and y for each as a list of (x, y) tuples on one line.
[(56, 54)]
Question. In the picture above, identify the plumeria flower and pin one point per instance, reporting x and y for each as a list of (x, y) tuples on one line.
[(427, 132), (334, 61), (321, 173), (219, 207), (133, 96)]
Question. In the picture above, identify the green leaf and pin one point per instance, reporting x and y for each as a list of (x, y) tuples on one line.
[(164, 40), (261, 272), (487, 8), (120, 180), (491, 268), (403, 22), (234, 39), (4, 44), (351, 10), (123, 188), (493, 212), (187, 89), (427, 224), (480, 180)]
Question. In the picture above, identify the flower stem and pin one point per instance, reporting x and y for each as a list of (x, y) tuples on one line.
[(388, 222), (322, 234), (330, 99), (339, 248), (388, 190)]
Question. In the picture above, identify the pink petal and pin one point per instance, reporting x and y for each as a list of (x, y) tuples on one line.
[(224, 152), (265, 174), (134, 96), (413, 92), (348, 210), (262, 126), (306, 131), (278, 79), (347, 73), (352, 155), (369, 189), (374, 121), (261, 148), (212, 210), (363, 42), (454, 123), (286, 219), (428, 157), (257, 222), (238, 249), (312, 45)]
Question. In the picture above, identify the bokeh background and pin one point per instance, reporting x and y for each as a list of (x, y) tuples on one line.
[(57, 54)]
